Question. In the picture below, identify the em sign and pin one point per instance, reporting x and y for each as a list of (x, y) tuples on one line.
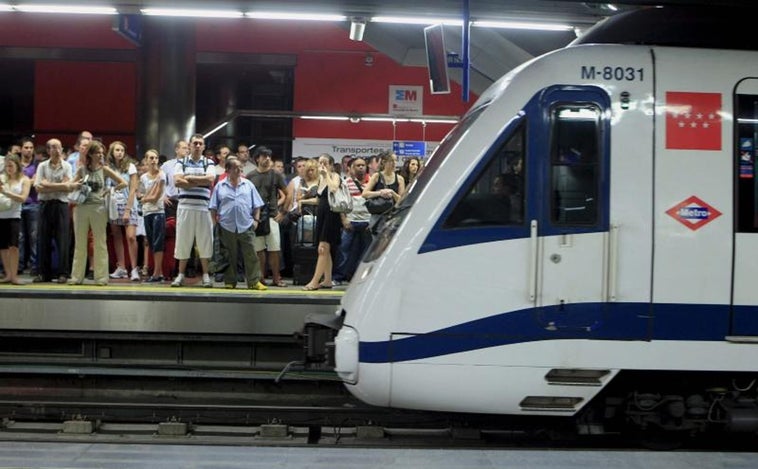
[(406, 101)]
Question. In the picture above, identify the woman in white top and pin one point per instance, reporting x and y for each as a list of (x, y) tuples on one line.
[(126, 205), (15, 186)]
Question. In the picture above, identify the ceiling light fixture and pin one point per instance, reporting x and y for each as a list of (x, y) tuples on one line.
[(416, 20), (357, 28), (192, 13), (66, 9), (6, 7), (275, 15), (523, 25)]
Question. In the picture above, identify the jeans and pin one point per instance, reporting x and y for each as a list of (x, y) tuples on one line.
[(28, 242), (353, 244)]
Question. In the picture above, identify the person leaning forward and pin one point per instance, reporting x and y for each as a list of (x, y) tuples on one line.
[(236, 207)]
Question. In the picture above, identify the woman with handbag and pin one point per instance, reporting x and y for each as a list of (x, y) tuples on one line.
[(14, 187), (384, 188), (328, 225), (125, 200), (91, 213)]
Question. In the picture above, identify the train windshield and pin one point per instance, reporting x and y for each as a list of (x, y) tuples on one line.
[(388, 226), (440, 154)]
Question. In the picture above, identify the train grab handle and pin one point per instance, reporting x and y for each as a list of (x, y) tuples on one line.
[(533, 265)]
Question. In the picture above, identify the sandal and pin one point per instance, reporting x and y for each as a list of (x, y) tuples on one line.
[(310, 288), (326, 286), (280, 283)]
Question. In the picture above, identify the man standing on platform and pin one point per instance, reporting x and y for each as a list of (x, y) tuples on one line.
[(194, 176), (236, 205), (52, 185), (271, 187)]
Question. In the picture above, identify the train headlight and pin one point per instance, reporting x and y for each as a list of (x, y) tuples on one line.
[(346, 354)]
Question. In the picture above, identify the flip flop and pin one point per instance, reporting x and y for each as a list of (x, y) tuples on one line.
[(310, 288), (325, 286)]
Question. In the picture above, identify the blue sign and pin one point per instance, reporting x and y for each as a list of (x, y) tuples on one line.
[(417, 149), (129, 27)]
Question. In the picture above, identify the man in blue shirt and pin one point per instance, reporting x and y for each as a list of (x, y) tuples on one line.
[(236, 207)]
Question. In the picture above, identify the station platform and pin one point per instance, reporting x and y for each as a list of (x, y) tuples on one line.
[(124, 306), (24, 455)]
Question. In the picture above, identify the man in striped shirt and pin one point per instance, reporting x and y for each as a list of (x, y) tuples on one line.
[(194, 176)]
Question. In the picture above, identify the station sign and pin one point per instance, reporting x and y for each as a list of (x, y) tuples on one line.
[(405, 149)]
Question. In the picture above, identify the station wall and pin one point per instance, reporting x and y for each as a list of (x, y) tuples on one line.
[(331, 75)]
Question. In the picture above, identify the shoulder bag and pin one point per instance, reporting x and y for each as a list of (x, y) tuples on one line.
[(340, 201), (379, 205), (78, 196)]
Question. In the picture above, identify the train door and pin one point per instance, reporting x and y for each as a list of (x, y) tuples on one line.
[(744, 319), (569, 208)]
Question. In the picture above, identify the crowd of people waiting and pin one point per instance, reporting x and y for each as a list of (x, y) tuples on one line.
[(235, 217)]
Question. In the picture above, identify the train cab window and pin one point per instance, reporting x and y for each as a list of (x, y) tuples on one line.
[(745, 165), (496, 196), (575, 164)]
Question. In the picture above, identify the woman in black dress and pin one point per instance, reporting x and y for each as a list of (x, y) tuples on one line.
[(328, 225)]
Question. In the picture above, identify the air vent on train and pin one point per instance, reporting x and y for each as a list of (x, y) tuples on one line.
[(550, 403)]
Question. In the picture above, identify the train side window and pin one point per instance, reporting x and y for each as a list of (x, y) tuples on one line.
[(745, 164), (575, 164), (496, 196)]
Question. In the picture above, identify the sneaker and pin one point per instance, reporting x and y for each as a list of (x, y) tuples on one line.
[(152, 279), (120, 272), (207, 283), (178, 281), (135, 275), (62, 278), (74, 282), (90, 275), (259, 286), (39, 279), (218, 277)]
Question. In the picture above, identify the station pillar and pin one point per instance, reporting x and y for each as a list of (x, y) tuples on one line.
[(166, 90)]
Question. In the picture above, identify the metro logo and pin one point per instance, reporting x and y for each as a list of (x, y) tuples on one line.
[(406, 95), (693, 213), (693, 121)]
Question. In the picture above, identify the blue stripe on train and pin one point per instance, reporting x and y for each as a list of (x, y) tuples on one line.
[(603, 321)]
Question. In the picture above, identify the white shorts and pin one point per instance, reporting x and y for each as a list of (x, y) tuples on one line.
[(271, 242), (191, 226)]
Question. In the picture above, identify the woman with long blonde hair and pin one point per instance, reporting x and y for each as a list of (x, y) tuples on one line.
[(15, 186)]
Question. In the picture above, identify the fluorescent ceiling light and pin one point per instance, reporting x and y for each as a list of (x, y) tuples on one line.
[(435, 121), (416, 20), (219, 127), (5, 7), (78, 9), (326, 118), (192, 13), (281, 15), (523, 25)]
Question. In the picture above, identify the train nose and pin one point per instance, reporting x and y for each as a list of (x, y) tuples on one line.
[(346, 354)]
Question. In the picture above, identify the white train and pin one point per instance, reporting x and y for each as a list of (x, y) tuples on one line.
[(585, 239)]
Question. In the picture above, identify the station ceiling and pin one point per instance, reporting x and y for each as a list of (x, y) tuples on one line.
[(494, 51)]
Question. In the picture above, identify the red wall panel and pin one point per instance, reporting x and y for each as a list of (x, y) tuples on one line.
[(96, 96)]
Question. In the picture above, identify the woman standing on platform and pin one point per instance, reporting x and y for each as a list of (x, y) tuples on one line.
[(126, 205), (92, 214), (328, 225), (15, 186), (410, 170)]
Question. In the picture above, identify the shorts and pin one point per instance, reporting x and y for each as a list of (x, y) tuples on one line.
[(271, 242), (155, 231), (193, 226), (9, 232)]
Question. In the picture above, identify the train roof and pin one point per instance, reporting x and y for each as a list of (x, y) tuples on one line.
[(678, 26)]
